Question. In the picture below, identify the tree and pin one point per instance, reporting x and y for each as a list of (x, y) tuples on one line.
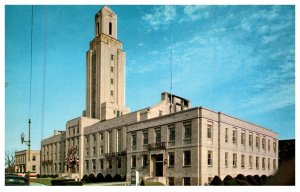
[(9, 162)]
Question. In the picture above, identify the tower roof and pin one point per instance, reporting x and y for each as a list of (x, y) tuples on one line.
[(106, 8)]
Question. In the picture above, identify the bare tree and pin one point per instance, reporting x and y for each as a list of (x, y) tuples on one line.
[(9, 162)]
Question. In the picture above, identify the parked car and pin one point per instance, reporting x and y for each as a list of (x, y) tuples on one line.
[(14, 180)]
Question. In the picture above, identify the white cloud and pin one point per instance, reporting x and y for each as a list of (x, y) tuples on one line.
[(160, 16), (195, 12)]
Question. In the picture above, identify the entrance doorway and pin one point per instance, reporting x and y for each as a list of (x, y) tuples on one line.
[(159, 165)]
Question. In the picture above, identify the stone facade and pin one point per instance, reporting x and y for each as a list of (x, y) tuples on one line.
[(22, 165), (168, 142)]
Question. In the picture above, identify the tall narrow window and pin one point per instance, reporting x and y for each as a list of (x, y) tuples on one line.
[(145, 138), (187, 132), (119, 163), (109, 163), (250, 162), (257, 162), (263, 143), (98, 29), (274, 164), (133, 141), (243, 161), (171, 159), (243, 138), (145, 160), (119, 140), (226, 135), (274, 146), (186, 181), (172, 134), (250, 140), (209, 131), (110, 28), (234, 136), (209, 158), (187, 158), (268, 145), (257, 142), (234, 160), (157, 136), (110, 141), (268, 163), (133, 161), (226, 159), (101, 164), (263, 163)]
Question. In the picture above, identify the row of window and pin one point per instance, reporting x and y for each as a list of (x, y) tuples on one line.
[(157, 136), (109, 164), (250, 140), (186, 181)]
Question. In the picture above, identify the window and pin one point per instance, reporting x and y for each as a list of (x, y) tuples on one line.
[(268, 145), (110, 28), (187, 158), (243, 161), (87, 151), (109, 164), (186, 181), (87, 165), (171, 159), (234, 160), (111, 81), (226, 135), (263, 163), (119, 135), (94, 164), (209, 158), (226, 159), (101, 136), (234, 136), (171, 133), (111, 69), (111, 93), (33, 158), (119, 161), (274, 147), (94, 150), (171, 181), (274, 164), (243, 138), (257, 142), (109, 140), (112, 57), (145, 160), (98, 29), (33, 168), (250, 140), (101, 164), (145, 138), (101, 150), (209, 130), (133, 161), (133, 140), (187, 132), (268, 163), (87, 139), (257, 162), (157, 136), (250, 162), (263, 143)]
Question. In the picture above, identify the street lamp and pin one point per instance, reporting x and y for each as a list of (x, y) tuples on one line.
[(28, 144)]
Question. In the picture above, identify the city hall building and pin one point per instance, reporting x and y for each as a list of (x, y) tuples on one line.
[(169, 142)]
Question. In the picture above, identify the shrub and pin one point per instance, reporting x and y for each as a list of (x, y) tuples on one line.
[(285, 174), (251, 180), (108, 178), (117, 177), (38, 176), (228, 180), (100, 177), (124, 178), (142, 183), (264, 178), (56, 182), (91, 178), (84, 178), (258, 180), (216, 181), (241, 177), (241, 182)]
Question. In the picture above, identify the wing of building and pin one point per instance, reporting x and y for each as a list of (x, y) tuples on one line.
[(169, 142)]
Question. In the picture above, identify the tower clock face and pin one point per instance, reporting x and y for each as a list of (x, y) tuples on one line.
[(72, 159)]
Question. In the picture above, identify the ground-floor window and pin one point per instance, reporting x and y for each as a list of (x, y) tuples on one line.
[(186, 181), (133, 161), (171, 181)]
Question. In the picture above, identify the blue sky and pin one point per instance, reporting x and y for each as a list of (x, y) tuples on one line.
[(239, 60)]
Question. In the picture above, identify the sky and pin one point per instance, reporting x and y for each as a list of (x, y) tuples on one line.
[(239, 60)]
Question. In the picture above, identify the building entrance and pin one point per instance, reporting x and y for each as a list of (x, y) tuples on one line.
[(159, 165)]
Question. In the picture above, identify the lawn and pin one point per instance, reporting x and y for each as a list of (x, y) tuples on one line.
[(45, 181)]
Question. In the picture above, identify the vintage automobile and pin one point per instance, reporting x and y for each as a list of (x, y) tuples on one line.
[(14, 180)]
